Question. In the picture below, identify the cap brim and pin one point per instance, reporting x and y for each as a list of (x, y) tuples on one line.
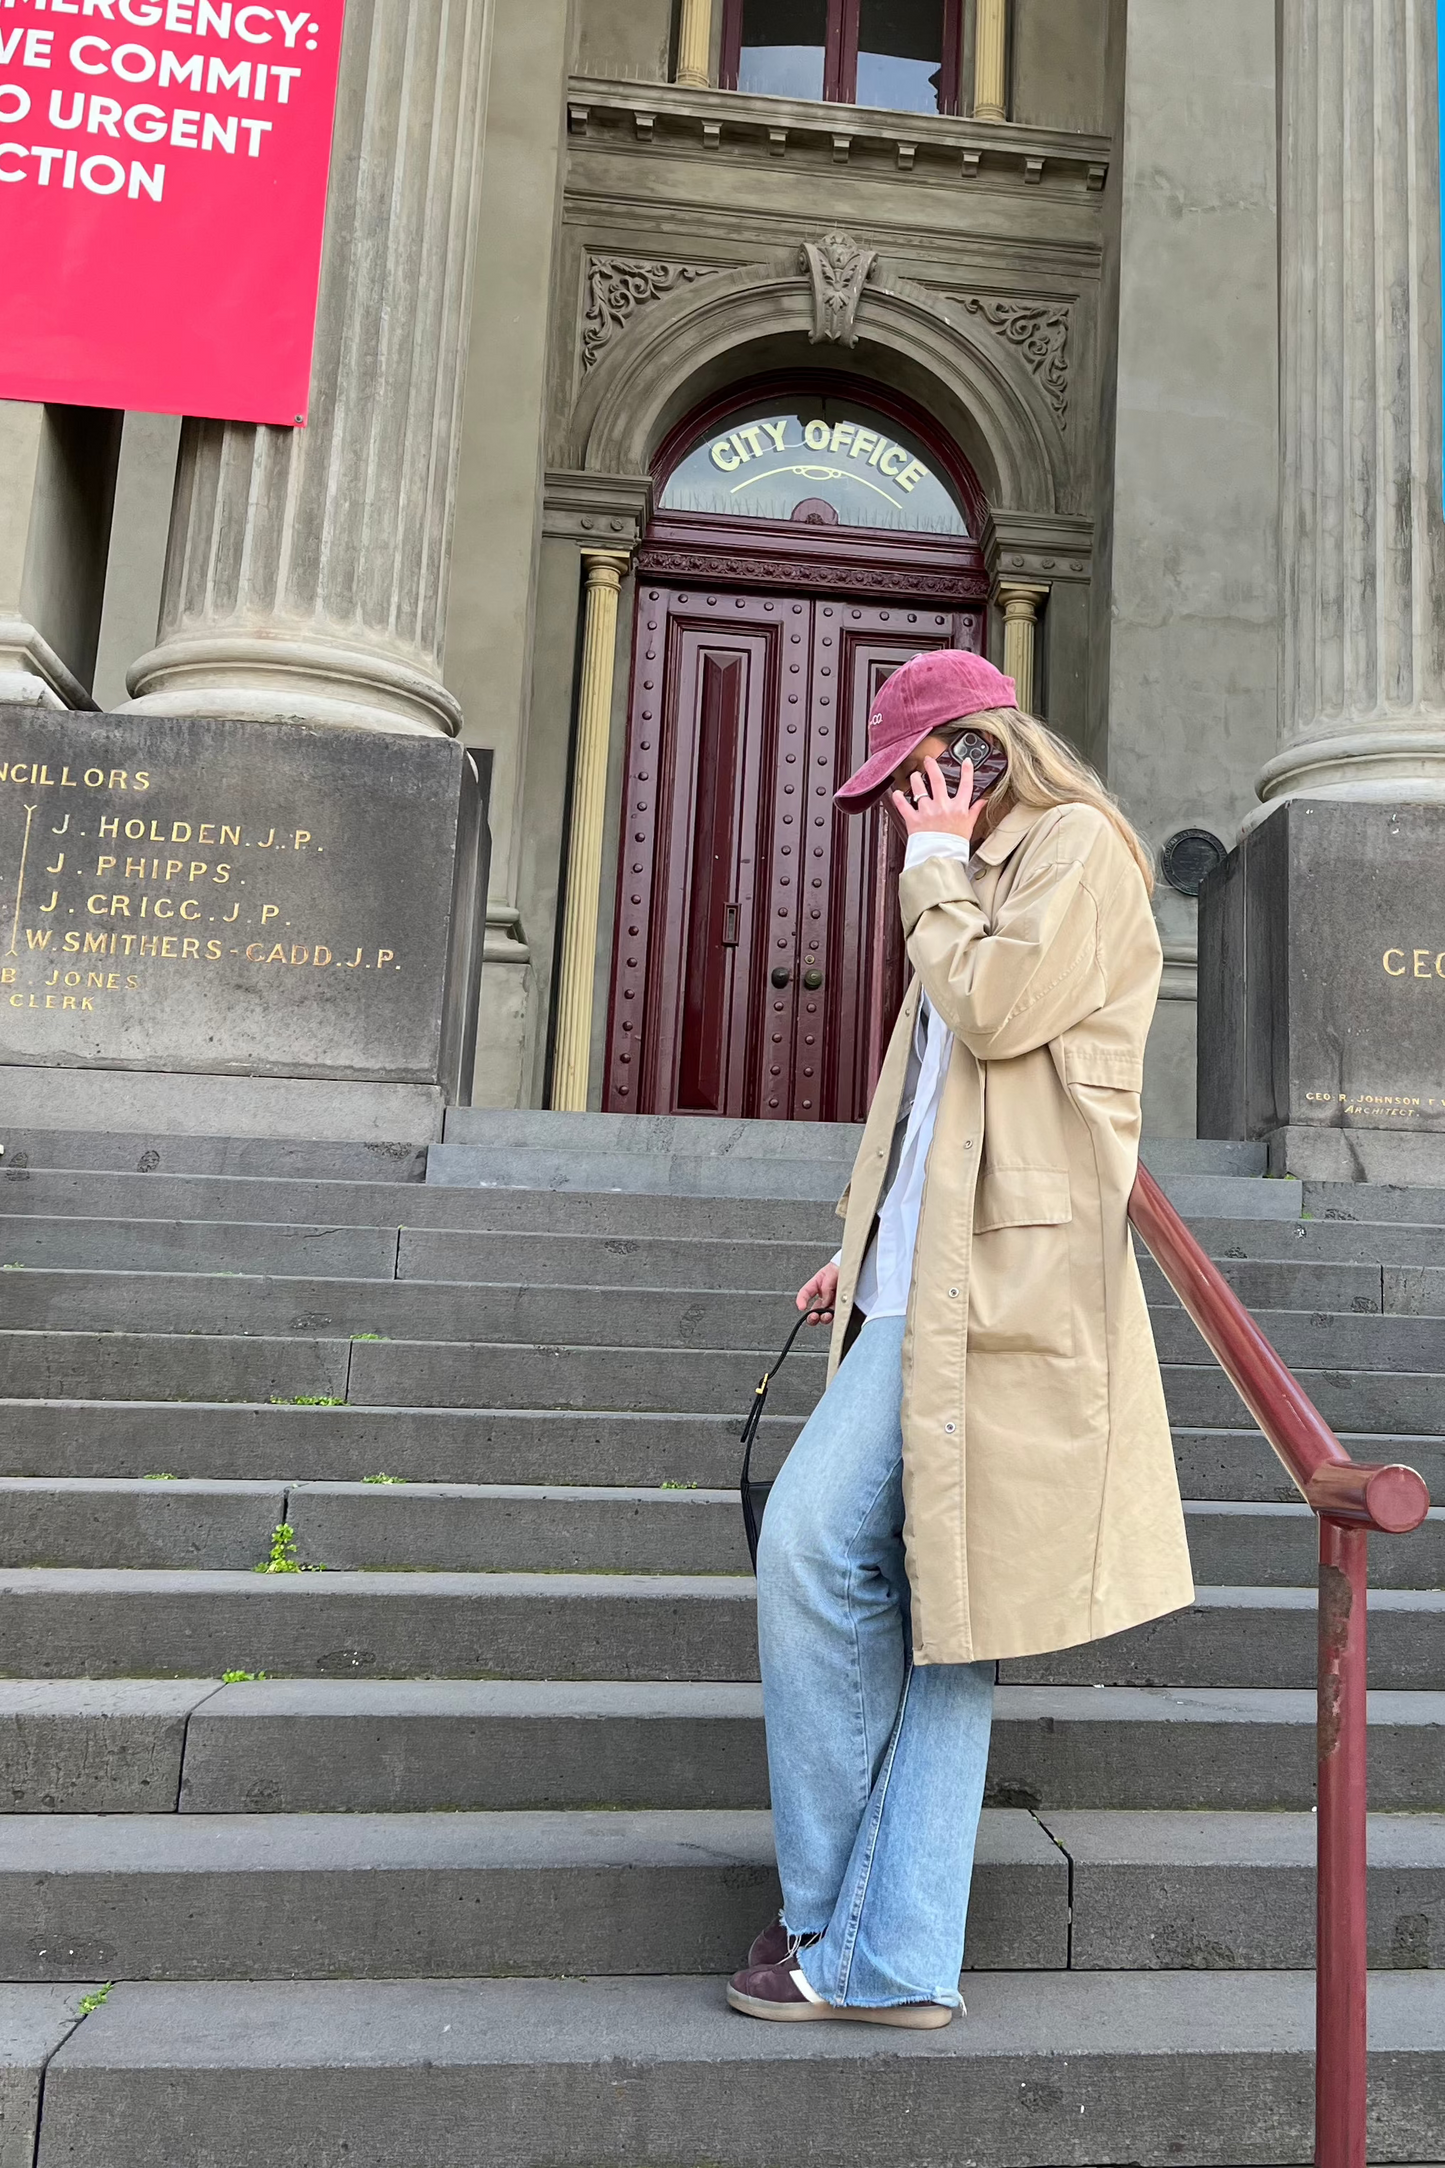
[(871, 781)]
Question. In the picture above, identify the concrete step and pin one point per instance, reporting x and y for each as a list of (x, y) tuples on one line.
[(1250, 1637), (1277, 1546), (284, 1746), (411, 1310), (1412, 1332), (1374, 1201), (490, 1528), (231, 1250), (1292, 1285), (406, 1373), (420, 1375), (66, 1623), (199, 1246), (677, 1173), (52, 1521), (1166, 1156), (417, 1896), (380, 1253), (32, 1192), (161, 1152), (116, 1623), (1401, 1403), (1235, 1892), (653, 1136), (1190, 2067), (1314, 1340), (85, 1439)]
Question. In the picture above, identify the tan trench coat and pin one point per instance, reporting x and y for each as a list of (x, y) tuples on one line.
[(1041, 1503)]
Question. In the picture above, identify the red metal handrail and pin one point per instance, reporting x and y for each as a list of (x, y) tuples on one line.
[(1349, 1500)]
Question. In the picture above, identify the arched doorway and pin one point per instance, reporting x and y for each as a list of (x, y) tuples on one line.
[(811, 535)]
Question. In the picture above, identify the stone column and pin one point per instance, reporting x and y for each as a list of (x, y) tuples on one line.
[(307, 574), (1020, 603), (573, 1057), (694, 44), (1362, 541), (990, 60)]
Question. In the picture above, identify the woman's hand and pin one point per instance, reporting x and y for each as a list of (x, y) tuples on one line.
[(929, 811), (821, 1294)]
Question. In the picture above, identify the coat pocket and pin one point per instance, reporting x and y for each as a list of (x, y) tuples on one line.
[(1020, 1296)]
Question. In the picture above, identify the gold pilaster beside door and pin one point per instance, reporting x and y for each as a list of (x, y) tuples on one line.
[(694, 44), (1020, 604), (990, 61), (605, 571)]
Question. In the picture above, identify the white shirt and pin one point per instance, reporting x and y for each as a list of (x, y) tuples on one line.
[(887, 1273)]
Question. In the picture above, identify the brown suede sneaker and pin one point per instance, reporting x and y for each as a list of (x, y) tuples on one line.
[(771, 1991), (774, 1944)]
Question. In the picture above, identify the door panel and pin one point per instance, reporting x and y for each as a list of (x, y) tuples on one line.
[(759, 959)]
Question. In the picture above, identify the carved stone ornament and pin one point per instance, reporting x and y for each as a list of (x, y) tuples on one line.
[(617, 287), (704, 565), (1040, 331), (839, 268)]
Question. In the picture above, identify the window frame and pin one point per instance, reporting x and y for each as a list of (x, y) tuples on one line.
[(840, 57)]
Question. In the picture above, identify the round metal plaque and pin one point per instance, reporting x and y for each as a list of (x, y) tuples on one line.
[(1189, 857)]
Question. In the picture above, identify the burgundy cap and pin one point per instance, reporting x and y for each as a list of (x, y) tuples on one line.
[(925, 695)]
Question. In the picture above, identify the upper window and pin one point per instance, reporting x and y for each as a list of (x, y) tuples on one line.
[(900, 54), (823, 462)]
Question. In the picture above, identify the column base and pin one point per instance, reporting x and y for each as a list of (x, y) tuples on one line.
[(1322, 980), (1403, 763), (189, 1103), (1401, 1160), (251, 677), (32, 674)]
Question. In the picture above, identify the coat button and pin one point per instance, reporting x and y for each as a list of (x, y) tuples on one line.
[(950, 1428), (968, 1144), (953, 1291)]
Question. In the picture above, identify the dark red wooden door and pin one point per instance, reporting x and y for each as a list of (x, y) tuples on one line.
[(758, 963)]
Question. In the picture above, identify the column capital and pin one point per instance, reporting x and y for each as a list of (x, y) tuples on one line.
[(1020, 600), (606, 568)]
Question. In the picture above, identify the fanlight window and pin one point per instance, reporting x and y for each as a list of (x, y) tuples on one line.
[(899, 54), (823, 462)]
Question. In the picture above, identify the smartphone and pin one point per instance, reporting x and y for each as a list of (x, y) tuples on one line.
[(990, 762)]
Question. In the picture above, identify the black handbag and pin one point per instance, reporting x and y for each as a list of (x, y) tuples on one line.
[(755, 1494)]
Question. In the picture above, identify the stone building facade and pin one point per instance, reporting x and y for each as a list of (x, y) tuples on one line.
[(564, 262)]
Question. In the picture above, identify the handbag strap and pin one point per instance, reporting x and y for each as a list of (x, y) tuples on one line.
[(755, 1412)]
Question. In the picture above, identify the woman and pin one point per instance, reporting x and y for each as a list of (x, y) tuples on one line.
[(989, 1473)]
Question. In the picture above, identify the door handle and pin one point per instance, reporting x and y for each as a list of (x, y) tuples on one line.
[(812, 980), (730, 925), (782, 976)]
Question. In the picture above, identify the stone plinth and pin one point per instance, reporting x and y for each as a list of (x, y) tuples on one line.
[(1322, 991), (202, 899)]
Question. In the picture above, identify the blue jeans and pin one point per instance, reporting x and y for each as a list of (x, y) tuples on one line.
[(877, 1768)]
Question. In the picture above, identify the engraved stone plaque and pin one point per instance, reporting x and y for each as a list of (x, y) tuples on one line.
[(250, 899), (1322, 973)]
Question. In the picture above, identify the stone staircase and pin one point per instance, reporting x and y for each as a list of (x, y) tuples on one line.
[(450, 1872)]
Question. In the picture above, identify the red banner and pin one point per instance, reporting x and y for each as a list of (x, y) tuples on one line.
[(163, 168)]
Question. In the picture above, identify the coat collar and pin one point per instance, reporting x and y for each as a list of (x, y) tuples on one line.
[(1004, 840)]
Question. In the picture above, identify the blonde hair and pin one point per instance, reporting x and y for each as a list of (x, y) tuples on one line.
[(1044, 770)]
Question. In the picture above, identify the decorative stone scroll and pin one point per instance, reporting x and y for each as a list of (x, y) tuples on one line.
[(617, 287), (1040, 331), (839, 268)]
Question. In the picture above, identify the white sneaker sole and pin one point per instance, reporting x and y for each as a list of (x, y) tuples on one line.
[(908, 2016)]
